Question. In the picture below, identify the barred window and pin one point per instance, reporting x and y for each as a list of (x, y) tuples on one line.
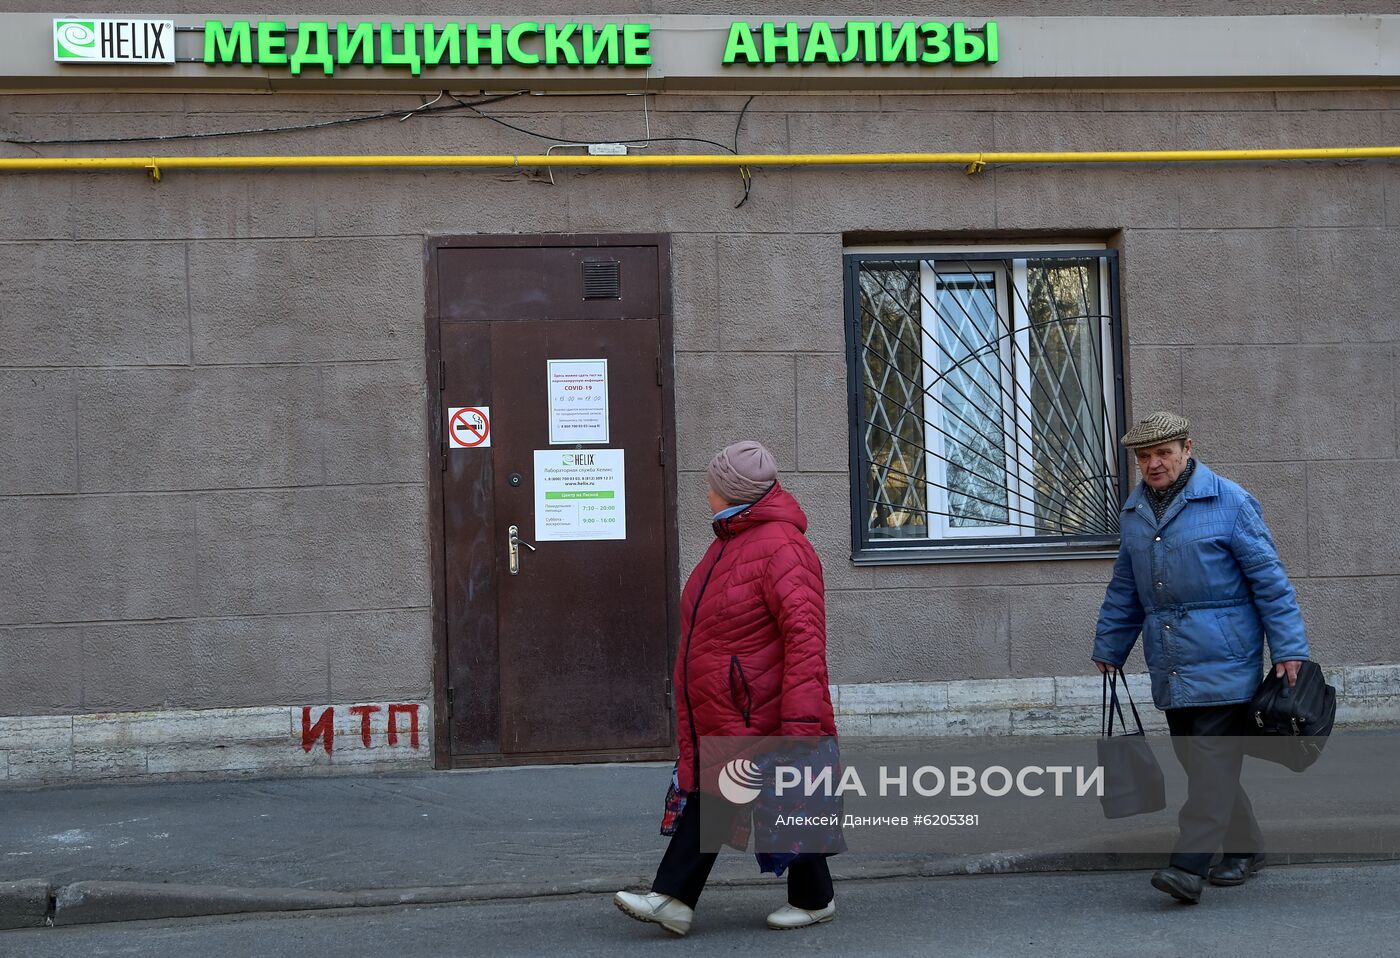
[(986, 402)]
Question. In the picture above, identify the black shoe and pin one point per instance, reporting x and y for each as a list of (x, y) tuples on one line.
[(1181, 885), (1235, 869)]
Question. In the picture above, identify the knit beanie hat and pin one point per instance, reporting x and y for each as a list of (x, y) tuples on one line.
[(743, 472)]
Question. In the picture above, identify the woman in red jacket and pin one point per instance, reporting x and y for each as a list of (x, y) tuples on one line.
[(752, 662)]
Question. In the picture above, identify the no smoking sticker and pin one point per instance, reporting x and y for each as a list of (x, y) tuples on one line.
[(469, 427)]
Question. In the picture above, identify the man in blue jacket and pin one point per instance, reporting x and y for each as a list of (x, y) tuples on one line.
[(1199, 577)]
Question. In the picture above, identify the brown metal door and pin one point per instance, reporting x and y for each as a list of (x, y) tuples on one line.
[(568, 657)]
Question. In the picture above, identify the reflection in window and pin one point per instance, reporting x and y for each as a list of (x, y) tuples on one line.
[(969, 388)]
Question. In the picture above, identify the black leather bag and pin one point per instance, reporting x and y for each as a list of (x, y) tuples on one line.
[(1292, 724), (1133, 782)]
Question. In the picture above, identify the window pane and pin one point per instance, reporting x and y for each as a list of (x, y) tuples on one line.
[(971, 399), (1074, 485), (893, 399)]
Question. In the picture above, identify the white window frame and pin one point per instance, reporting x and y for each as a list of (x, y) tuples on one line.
[(936, 495)]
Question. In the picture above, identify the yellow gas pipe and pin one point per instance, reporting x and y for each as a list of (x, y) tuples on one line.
[(971, 162)]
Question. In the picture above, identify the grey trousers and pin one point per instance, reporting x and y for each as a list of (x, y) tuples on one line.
[(1209, 744)]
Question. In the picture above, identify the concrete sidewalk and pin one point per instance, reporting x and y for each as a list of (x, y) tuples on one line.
[(493, 831), (140, 851)]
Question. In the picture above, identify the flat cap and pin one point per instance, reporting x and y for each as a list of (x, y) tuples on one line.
[(1157, 428)]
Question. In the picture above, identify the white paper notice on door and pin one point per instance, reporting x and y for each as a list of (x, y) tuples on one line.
[(578, 401), (580, 494)]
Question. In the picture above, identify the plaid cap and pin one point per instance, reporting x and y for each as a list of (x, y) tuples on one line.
[(1157, 428)]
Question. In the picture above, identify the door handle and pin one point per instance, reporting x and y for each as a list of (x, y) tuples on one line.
[(515, 543)]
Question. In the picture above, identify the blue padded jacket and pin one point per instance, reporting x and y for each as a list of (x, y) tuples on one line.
[(1205, 588)]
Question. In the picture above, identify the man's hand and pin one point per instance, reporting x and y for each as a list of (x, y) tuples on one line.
[(1104, 668), (1290, 668)]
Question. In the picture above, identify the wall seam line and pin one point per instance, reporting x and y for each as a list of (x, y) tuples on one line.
[(77, 434), (189, 306), (1307, 521)]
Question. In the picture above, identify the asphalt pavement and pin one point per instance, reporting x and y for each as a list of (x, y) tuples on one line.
[(1288, 912), (127, 852)]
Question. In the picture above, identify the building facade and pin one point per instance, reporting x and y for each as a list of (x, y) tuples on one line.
[(319, 466)]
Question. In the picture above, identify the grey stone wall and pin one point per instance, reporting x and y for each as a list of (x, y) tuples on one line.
[(212, 486), (971, 9)]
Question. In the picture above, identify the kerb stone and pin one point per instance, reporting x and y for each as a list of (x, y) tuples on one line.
[(24, 904)]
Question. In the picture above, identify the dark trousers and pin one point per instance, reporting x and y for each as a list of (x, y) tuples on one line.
[(1209, 744), (684, 868)]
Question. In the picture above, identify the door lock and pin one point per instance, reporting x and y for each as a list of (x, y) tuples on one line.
[(515, 543)]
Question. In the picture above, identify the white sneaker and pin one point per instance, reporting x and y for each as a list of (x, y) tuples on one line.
[(790, 916), (670, 913)]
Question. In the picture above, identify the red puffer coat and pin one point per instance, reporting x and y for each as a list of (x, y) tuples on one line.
[(752, 659)]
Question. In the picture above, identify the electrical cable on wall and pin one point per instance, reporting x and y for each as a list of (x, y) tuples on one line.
[(746, 177), (258, 131), (428, 107), (745, 173)]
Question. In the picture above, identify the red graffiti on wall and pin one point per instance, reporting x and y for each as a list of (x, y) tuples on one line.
[(323, 729), (412, 712), (364, 712)]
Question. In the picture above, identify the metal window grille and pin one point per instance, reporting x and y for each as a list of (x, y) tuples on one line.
[(986, 403)]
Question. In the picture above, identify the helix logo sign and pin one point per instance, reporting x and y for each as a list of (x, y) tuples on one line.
[(740, 781), (75, 40), (114, 41)]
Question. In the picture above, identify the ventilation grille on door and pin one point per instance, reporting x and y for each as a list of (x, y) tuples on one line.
[(602, 279)]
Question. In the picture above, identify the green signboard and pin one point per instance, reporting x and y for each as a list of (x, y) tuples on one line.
[(864, 41), (320, 45)]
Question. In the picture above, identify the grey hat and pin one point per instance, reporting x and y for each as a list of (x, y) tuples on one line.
[(1156, 429), (743, 472)]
